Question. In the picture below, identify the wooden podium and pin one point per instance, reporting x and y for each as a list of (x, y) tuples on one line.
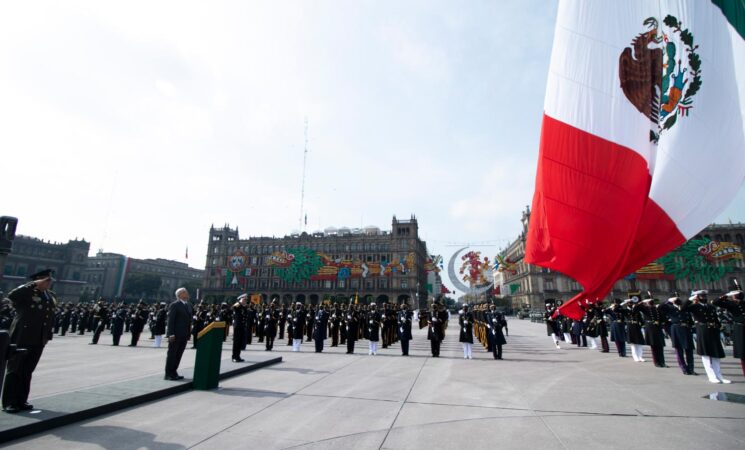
[(209, 352)]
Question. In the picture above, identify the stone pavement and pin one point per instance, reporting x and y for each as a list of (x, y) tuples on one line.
[(537, 397)]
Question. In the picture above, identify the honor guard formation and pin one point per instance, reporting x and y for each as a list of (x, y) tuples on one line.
[(33, 316), (689, 322)]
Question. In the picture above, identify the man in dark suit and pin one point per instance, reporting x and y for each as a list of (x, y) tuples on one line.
[(178, 331), (31, 329)]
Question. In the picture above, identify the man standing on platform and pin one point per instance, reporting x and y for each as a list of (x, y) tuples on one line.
[(178, 332), (31, 329)]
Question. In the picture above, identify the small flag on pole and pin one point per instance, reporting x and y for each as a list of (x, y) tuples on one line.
[(187, 252)]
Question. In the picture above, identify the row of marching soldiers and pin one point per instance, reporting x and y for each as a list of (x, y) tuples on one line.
[(487, 324), (343, 324), (690, 322)]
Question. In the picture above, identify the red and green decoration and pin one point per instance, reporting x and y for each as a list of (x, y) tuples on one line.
[(700, 261), (303, 264)]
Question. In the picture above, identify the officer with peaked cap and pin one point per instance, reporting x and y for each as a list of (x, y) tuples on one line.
[(708, 344), (734, 303), (31, 329)]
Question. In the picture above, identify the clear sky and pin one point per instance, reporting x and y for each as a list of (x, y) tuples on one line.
[(136, 125)]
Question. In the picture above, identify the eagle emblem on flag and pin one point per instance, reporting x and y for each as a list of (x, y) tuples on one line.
[(662, 73)]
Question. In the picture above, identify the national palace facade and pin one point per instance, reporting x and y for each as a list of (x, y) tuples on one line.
[(338, 265), (710, 260)]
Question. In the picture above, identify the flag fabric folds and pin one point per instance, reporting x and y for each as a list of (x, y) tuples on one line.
[(642, 143)]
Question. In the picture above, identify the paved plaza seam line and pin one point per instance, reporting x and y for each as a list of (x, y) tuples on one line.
[(552, 432), (274, 403), (403, 403)]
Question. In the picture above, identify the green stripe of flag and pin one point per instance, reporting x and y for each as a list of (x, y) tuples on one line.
[(734, 11)]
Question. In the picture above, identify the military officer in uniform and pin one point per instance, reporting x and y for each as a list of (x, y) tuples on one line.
[(681, 336), (404, 321), (374, 319), (239, 326), (31, 329), (320, 325), (271, 316), (139, 319), (733, 302), (101, 316), (465, 320), (436, 331), (351, 322), (298, 322), (552, 325), (495, 321), (708, 344)]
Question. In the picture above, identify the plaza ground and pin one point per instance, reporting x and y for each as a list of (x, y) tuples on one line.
[(538, 397)]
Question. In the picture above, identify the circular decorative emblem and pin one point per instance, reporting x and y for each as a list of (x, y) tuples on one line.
[(237, 261), (662, 73)]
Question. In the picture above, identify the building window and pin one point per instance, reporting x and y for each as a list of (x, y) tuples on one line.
[(404, 284), (327, 284), (341, 284)]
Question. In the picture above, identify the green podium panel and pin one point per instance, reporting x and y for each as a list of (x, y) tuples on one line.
[(209, 352)]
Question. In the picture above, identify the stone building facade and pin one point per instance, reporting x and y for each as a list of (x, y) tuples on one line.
[(107, 273), (335, 265), (30, 255), (710, 261)]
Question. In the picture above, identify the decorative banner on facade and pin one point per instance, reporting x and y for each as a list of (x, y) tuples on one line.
[(506, 265), (701, 261), (237, 261), (300, 264), (720, 251)]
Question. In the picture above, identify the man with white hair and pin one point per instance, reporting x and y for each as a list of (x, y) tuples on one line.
[(178, 331), (708, 344)]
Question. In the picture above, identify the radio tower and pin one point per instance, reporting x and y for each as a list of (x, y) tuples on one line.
[(302, 187)]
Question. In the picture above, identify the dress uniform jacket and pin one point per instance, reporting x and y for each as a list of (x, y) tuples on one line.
[(737, 309), (465, 321), (707, 329)]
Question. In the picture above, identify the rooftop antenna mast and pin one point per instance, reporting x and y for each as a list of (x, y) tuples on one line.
[(304, 220)]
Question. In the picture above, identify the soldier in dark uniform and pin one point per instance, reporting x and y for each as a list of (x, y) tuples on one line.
[(733, 303), (198, 322), (465, 320), (351, 323), (34, 305), (260, 323), (65, 322), (335, 324), (708, 344), (101, 318), (654, 334), (404, 321), (159, 324), (320, 324), (374, 322), (239, 326), (139, 319), (552, 324), (118, 316), (681, 336), (495, 321), (618, 315), (298, 322), (282, 321), (436, 332), (251, 319), (271, 316), (83, 319), (634, 325), (74, 319), (309, 318)]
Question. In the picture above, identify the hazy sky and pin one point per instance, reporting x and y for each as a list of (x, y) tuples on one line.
[(137, 125)]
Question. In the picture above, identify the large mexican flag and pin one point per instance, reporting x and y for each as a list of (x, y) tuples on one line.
[(642, 142)]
